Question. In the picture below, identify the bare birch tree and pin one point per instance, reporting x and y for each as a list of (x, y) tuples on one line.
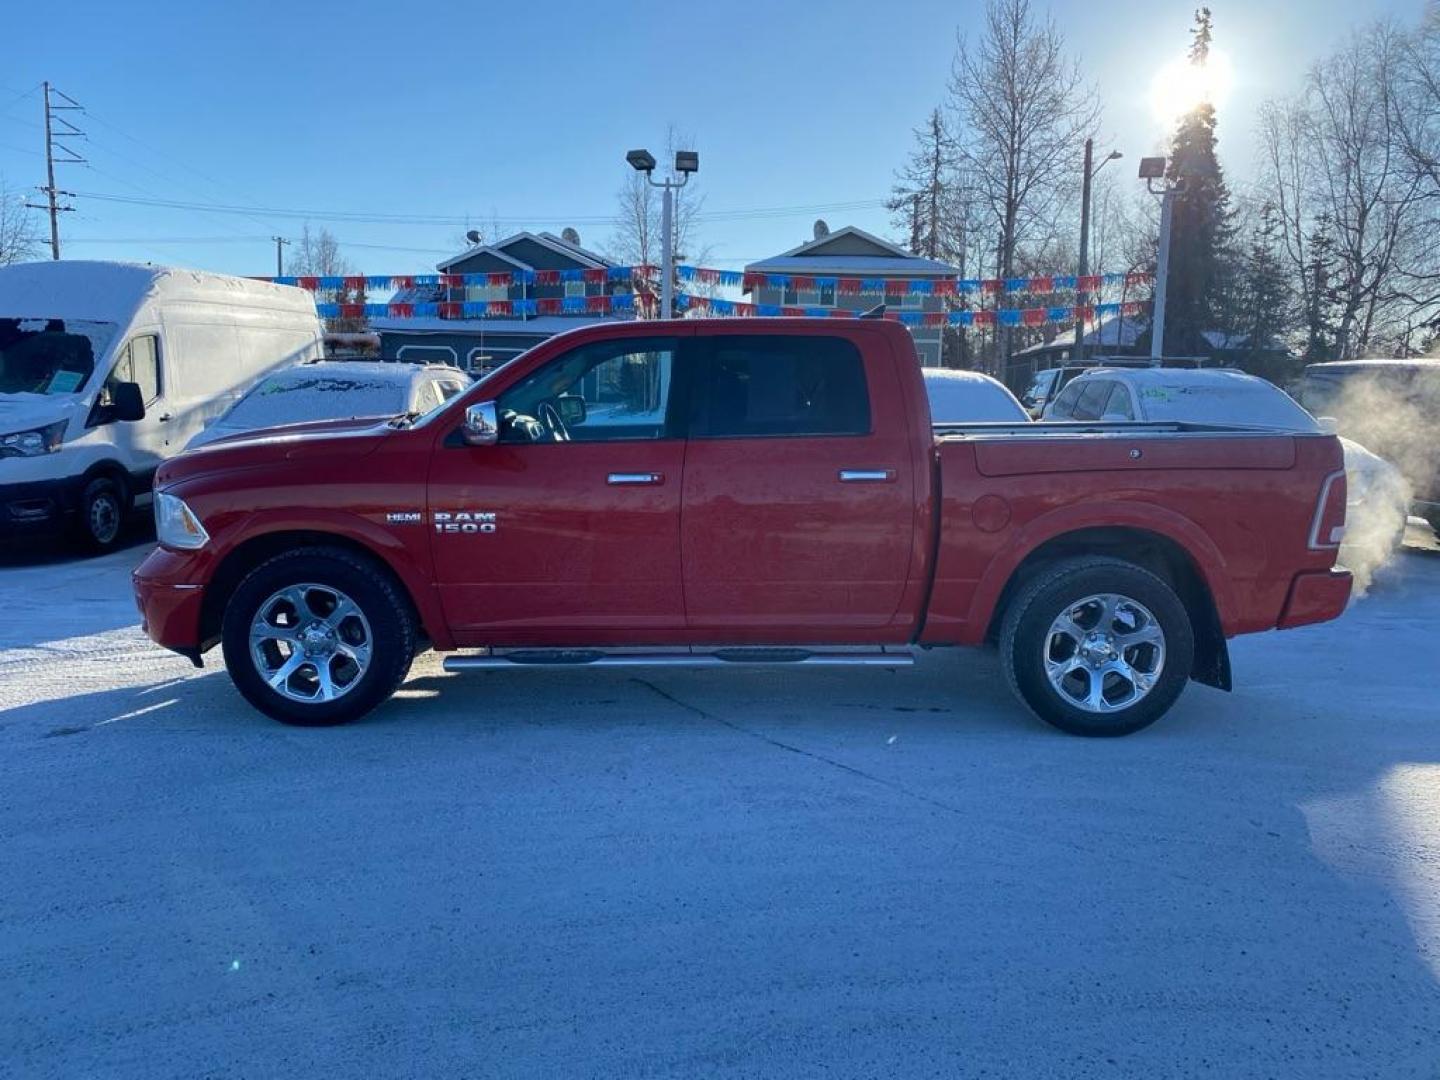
[(19, 236)]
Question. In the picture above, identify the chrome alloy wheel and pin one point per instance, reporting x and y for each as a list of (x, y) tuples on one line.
[(310, 643), (1104, 653)]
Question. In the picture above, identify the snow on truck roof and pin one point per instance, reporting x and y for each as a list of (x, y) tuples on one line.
[(111, 291)]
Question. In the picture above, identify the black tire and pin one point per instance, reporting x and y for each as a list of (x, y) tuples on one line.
[(1055, 589), (103, 511), (379, 598)]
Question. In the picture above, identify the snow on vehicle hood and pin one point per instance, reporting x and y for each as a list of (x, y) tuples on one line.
[(25, 411)]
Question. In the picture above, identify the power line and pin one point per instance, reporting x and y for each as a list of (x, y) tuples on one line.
[(393, 218)]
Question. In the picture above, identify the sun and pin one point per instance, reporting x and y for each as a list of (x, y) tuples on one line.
[(1180, 86)]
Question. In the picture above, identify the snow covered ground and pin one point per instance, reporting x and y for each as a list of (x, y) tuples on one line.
[(847, 873)]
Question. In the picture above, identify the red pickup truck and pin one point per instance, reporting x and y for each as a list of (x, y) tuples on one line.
[(724, 492)]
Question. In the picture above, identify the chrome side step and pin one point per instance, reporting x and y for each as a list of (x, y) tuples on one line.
[(713, 658)]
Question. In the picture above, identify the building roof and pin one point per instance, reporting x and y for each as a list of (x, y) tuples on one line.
[(1116, 332), (572, 251), (852, 252)]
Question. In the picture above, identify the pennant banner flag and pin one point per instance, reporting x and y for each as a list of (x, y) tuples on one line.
[(842, 286), (625, 305)]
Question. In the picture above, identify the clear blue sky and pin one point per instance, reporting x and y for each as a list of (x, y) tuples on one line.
[(524, 111)]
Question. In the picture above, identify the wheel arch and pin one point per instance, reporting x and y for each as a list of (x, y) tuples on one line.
[(1152, 550), (256, 549)]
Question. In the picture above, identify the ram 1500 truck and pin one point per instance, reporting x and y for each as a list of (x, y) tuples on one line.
[(739, 491)]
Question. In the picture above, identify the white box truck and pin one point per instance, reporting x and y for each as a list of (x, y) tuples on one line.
[(107, 369)]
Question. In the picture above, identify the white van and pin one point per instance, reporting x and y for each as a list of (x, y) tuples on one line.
[(107, 369)]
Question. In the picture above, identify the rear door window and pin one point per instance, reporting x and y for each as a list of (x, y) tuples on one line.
[(763, 386), (1064, 405), (1118, 406)]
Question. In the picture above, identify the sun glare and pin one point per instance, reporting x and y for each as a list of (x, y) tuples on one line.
[(1180, 86)]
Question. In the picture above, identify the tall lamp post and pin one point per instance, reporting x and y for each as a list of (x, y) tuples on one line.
[(686, 162), (1152, 169), (1081, 295)]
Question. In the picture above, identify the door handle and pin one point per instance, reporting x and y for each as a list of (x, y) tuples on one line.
[(631, 479), (164, 417), (866, 476)]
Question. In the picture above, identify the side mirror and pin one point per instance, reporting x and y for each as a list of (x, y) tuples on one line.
[(126, 402), (481, 427), (1328, 424), (571, 408)]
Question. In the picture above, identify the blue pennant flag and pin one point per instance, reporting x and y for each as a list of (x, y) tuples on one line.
[(1107, 309), (427, 310), (962, 318), (767, 310), (1066, 281), (1059, 314), (622, 302), (1009, 316)]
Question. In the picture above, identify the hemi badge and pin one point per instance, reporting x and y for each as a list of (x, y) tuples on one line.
[(404, 517)]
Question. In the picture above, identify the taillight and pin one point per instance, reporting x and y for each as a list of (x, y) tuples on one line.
[(1328, 528)]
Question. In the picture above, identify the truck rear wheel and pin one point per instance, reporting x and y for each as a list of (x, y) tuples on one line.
[(1097, 646), (318, 636)]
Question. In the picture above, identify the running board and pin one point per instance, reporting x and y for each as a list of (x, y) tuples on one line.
[(550, 658)]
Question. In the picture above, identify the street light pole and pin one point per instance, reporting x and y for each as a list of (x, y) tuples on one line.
[(1152, 169), (1081, 295), (686, 162), (1162, 275)]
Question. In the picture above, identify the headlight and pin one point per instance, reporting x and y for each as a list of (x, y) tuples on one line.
[(33, 443), (176, 525)]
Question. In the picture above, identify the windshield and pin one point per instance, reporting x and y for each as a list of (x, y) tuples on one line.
[(1243, 402), (287, 399), (50, 356), (1040, 387)]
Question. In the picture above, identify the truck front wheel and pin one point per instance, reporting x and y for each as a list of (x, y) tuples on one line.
[(1097, 646), (318, 636)]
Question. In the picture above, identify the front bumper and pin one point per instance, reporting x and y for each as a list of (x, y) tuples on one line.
[(1315, 596), (170, 594), (36, 508)]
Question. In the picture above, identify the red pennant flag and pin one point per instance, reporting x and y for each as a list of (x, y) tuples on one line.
[(355, 283), (449, 309), (793, 312), (452, 281), (595, 276), (401, 311), (498, 279), (848, 286), (403, 281), (597, 303), (984, 318), (310, 283), (1034, 316), (1084, 312), (547, 277), (1089, 283), (990, 285), (1132, 307), (352, 311), (752, 280), (550, 306), (499, 307), (1137, 278), (840, 313), (802, 282), (1042, 284), (935, 318), (896, 287), (943, 287)]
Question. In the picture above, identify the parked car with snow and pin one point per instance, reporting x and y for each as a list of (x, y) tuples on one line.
[(337, 390), (960, 397), (775, 493), (1047, 383), (109, 369), (1377, 499), (1393, 407)]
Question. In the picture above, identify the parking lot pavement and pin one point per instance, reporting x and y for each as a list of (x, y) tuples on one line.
[(602, 873)]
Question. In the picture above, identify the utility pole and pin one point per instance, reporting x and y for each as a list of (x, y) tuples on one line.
[(280, 243), (1077, 353), (54, 140)]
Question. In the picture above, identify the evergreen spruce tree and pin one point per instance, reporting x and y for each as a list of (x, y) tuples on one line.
[(1200, 230)]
